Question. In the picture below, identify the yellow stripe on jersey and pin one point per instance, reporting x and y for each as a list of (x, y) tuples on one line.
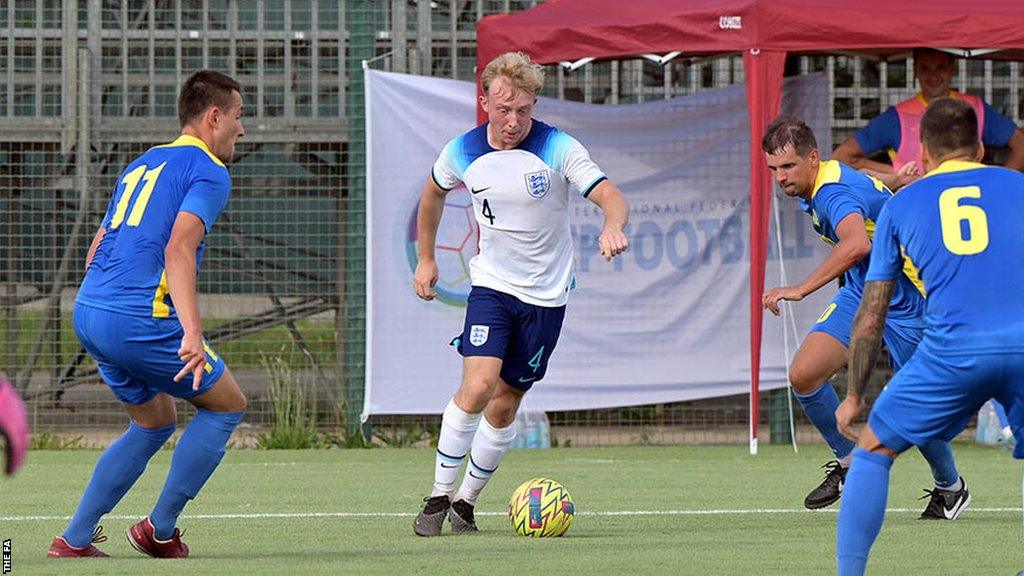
[(869, 227), (186, 140), (954, 166), (828, 312), (160, 308), (209, 352), (829, 172), (912, 272)]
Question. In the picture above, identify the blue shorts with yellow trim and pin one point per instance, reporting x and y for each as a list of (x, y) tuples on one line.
[(522, 335), (902, 334), (935, 395), (138, 356)]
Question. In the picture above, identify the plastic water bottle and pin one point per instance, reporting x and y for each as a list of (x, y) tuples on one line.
[(532, 430), (988, 430), (520, 426), (545, 434)]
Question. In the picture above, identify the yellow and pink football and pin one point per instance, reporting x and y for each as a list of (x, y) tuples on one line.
[(541, 508)]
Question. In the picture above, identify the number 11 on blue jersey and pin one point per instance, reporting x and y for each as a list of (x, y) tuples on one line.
[(131, 181)]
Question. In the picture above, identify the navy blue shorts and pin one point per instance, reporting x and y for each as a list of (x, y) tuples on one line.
[(522, 335), (901, 334), (138, 356), (935, 395)]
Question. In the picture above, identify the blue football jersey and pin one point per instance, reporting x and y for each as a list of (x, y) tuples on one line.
[(839, 191), (960, 225), (127, 274)]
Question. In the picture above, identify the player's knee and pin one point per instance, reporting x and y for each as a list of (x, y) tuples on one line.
[(480, 387), (234, 401), (154, 414), (503, 421), (868, 441), (802, 381), (501, 414), (877, 448), (155, 421), (237, 403), (227, 395)]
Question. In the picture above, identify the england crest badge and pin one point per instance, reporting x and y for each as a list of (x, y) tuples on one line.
[(537, 183), (478, 334)]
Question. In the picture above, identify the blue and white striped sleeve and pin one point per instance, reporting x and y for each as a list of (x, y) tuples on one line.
[(569, 158), (449, 168)]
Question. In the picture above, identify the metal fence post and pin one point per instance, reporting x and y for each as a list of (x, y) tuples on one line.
[(361, 20), (779, 417)]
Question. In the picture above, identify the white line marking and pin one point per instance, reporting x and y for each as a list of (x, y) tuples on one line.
[(267, 464), (301, 515)]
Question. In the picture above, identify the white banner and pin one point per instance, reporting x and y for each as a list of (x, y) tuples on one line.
[(666, 321)]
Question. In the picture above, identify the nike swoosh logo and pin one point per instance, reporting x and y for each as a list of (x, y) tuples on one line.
[(443, 465), (526, 380), (478, 190), (953, 512), (477, 477)]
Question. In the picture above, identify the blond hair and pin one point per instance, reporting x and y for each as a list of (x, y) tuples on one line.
[(520, 71)]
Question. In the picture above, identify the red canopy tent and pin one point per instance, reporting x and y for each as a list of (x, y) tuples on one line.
[(764, 31)]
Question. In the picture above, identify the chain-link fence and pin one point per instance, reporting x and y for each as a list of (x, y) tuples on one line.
[(86, 86)]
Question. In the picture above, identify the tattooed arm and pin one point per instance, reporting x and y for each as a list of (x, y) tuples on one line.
[(866, 340), (865, 343)]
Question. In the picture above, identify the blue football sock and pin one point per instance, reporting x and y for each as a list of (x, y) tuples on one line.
[(195, 458), (939, 455), (862, 510), (820, 407), (116, 471)]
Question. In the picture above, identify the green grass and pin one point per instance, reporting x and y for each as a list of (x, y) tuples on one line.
[(601, 480)]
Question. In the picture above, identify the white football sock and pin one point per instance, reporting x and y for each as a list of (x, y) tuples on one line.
[(489, 447), (457, 431)]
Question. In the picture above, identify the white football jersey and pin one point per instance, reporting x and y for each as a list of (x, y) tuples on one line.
[(521, 203)]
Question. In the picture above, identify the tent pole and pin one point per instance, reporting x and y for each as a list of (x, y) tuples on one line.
[(763, 70)]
